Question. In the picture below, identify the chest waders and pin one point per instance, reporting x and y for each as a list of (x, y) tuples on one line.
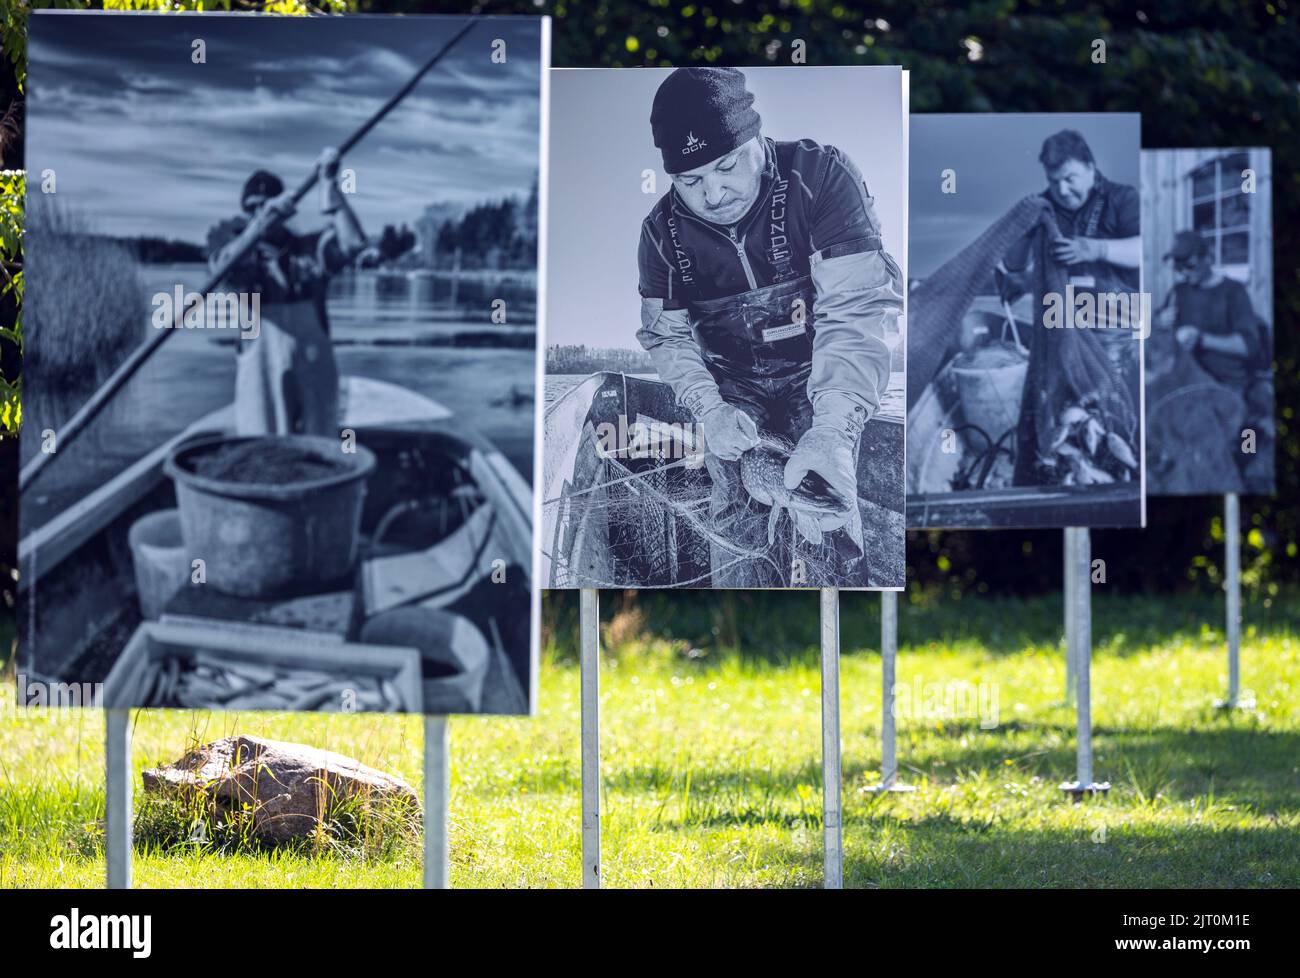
[(286, 379), (758, 345), (1101, 278)]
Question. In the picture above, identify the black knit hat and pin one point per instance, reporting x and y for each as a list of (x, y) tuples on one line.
[(700, 115), (262, 184)]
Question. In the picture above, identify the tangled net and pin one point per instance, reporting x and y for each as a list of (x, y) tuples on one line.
[(648, 523)]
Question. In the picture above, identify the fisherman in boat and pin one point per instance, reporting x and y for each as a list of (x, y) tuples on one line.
[(766, 303), (286, 380)]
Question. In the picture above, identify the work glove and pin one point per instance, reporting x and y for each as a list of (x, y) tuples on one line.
[(728, 431), (1011, 285), (1075, 251), (829, 449)]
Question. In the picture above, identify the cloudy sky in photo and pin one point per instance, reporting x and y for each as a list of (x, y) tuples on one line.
[(144, 142)]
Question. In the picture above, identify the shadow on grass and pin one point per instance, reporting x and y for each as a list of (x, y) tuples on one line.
[(942, 851), (1240, 765), (1254, 770), (781, 627)]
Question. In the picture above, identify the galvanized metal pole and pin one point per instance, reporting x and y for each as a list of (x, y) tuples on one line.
[(1232, 554), (831, 792), (1071, 638), (1083, 652), (888, 661), (437, 790), (589, 639), (888, 681), (1080, 597), (117, 799)]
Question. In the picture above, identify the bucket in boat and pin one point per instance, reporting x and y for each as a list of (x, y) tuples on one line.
[(990, 381), (271, 515), (160, 559)]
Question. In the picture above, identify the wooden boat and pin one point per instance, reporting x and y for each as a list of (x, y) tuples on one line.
[(444, 512), (581, 547)]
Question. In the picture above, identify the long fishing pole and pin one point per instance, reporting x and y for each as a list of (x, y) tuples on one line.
[(240, 247)]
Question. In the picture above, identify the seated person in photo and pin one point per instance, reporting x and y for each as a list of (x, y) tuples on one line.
[(1214, 320)]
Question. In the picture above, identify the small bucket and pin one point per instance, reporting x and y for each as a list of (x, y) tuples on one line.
[(161, 565)]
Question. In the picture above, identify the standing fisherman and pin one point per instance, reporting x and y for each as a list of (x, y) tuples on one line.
[(286, 380), (1099, 221), (766, 300)]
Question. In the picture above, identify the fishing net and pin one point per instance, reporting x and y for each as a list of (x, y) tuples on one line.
[(647, 522), (1076, 421)]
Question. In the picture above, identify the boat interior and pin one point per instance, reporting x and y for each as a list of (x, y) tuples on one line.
[(435, 533), (584, 481)]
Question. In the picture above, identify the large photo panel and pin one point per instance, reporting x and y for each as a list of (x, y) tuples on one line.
[(724, 366), (1026, 321), (1207, 218), (319, 240)]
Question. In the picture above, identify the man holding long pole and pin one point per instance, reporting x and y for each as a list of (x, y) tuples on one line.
[(286, 380)]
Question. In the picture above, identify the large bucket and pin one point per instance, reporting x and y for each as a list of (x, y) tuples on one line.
[(281, 536), (990, 382)]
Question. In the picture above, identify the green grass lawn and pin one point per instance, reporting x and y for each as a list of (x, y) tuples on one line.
[(712, 767)]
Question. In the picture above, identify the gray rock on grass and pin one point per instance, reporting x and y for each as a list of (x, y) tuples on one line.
[(289, 786)]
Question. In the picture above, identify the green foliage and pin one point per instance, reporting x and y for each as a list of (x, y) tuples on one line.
[(12, 194)]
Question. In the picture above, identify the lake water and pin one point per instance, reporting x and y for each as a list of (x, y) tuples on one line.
[(490, 388)]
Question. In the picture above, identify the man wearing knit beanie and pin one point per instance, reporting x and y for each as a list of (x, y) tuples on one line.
[(286, 379), (766, 299)]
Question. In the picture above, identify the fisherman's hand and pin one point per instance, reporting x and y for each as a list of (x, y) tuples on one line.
[(728, 431), (1075, 251), (1187, 337), (828, 449), (277, 209), (828, 452), (1167, 317), (1011, 285), (327, 164)]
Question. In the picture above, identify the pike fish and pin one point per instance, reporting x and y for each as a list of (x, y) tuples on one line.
[(762, 473)]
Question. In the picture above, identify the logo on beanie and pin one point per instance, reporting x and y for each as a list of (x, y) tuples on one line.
[(693, 144)]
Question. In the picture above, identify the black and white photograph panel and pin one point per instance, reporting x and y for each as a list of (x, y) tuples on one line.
[(724, 361), (283, 345), (1027, 320), (1208, 262)]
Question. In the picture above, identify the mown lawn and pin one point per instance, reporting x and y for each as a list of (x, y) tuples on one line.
[(712, 768)]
